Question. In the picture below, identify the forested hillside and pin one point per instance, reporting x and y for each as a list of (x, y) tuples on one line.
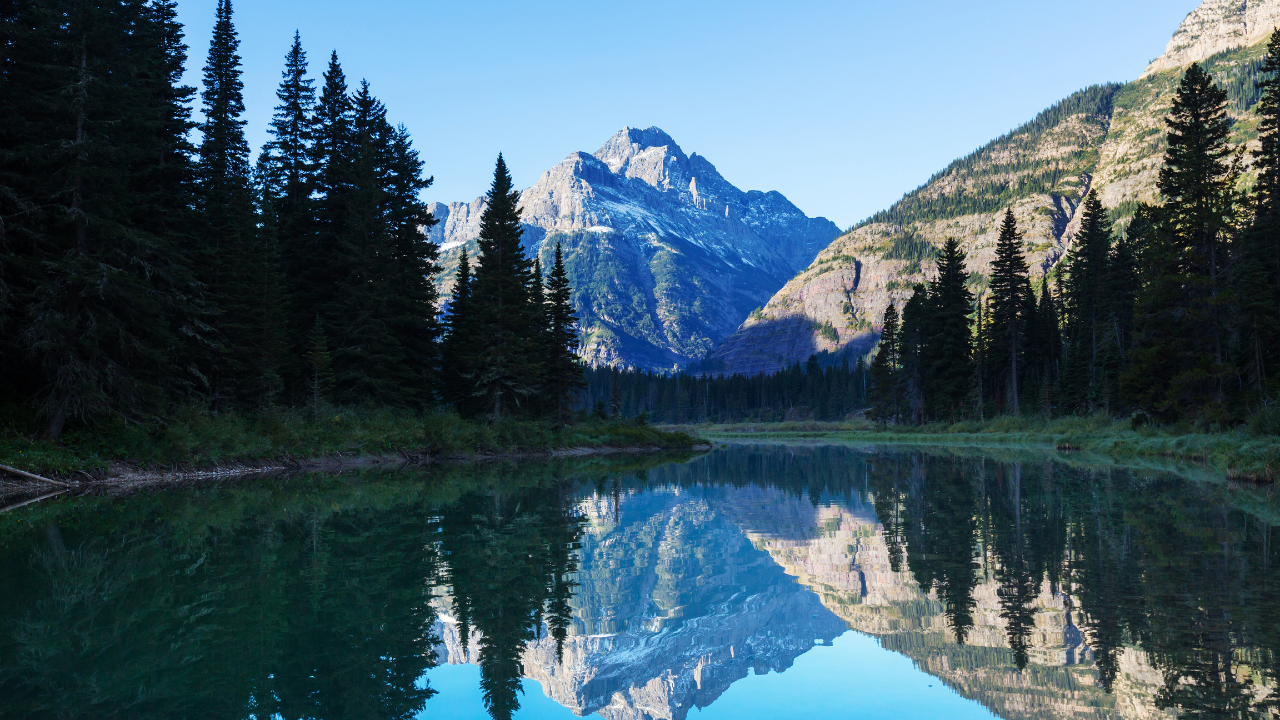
[(148, 264), (1165, 312), (1109, 138)]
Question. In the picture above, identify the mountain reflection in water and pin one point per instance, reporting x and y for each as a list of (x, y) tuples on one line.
[(644, 588)]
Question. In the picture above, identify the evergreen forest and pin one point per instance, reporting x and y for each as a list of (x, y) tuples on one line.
[(149, 263), (1173, 318)]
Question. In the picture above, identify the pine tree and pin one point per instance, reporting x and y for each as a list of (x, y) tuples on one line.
[(949, 352), (1198, 180), (289, 150), (540, 338), (505, 369), (1181, 364), (1085, 297), (409, 278), (365, 350), (318, 274), (1006, 328), (287, 182), (884, 369), (1050, 352), (103, 315), (228, 223), (912, 352), (1257, 273), (563, 374), (459, 347), (1034, 353)]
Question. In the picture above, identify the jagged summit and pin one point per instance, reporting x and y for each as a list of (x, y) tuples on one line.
[(644, 148), (666, 256), (1216, 26)]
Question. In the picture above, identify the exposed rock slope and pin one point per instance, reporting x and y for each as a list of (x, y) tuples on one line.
[(1215, 26), (665, 255), (1108, 138)]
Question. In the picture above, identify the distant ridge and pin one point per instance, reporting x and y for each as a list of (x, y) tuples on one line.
[(666, 256)]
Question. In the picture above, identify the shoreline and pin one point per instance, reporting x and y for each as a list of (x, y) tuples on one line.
[(1236, 455), (122, 476)]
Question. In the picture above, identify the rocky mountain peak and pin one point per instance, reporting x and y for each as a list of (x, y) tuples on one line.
[(666, 256), (1215, 26), (648, 155)]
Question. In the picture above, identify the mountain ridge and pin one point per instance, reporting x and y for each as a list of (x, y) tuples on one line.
[(666, 257), (1108, 138)]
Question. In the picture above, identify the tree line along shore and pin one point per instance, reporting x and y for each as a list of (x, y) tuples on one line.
[(1169, 317), (155, 289), (164, 299)]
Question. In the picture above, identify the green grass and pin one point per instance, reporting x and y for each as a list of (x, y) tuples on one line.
[(1239, 453), (195, 438)]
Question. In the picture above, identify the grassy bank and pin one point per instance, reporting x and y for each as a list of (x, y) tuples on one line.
[(1239, 453), (194, 438)]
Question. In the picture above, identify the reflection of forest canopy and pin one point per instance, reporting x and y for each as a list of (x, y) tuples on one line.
[(311, 598), (509, 560), (1162, 565), (313, 614), (299, 599)]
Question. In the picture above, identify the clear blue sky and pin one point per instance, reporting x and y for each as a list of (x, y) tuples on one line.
[(841, 106)]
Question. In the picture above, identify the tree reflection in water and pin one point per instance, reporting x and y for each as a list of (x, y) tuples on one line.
[(312, 597), (1157, 563), (509, 559)]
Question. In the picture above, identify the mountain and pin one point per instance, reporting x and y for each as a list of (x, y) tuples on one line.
[(1109, 138), (666, 257), (720, 582), (696, 609)]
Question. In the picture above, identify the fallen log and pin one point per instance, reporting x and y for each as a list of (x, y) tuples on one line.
[(33, 476)]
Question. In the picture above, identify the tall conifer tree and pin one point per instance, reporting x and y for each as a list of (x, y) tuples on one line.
[(1198, 181), (913, 353), (563, 375), (1257, 271), (949, 358), (459, 347), (884, 368), (505, 369), (287, 183), (413, 263), (1006, 322), (232, 254), (102, 307), (1181, 359), (1085, 296), (318, 274)]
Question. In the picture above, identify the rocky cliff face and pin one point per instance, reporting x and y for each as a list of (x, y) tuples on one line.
[(666, 256), (1108, 138), (1217, 26)]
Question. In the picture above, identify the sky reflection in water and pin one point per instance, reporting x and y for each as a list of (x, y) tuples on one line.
[(934, 584)]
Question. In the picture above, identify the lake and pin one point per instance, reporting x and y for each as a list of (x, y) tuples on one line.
[(754, 581)]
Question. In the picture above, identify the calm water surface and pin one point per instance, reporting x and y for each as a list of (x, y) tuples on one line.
[(753, 582)]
